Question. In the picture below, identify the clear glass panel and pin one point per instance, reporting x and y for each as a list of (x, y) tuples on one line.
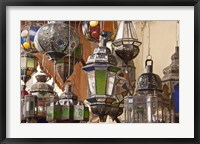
[(79, 112), (23, 62), (30, 63), (91, 82), (110, 83), (128, 109), (101, 82)]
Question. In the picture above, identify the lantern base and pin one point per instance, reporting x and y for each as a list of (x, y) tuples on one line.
[(55, 55)]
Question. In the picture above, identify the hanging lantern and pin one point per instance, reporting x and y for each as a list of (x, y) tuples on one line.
[(30, 102), (126, 43), (101, 72), (28, 65), (64, 67), (92, 30), (171, 79), (28, 32), (56, 39), (150, 105), (44, 92), (79, 112), (67, 101)]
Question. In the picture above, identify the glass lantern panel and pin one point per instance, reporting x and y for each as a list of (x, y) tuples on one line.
[(128, 109), (91, 82), (100, 82), (23, 62), (30, 63), (79, 112), (110, 83)]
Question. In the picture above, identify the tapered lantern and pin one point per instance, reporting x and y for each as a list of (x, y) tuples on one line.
[(101, 69), (126, 43)]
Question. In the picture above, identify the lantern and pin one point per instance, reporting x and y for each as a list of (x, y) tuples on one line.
[(79, 112), (67, 100), (23, 94), (92, 30), (64, 67), (28, 65), (150, 105), (44, 93), (30, 102), (126, 43), (171, 80), (28, 32), (101, 72), (56, 39)]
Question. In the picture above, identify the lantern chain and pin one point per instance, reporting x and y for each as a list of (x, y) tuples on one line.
[(149, 44)]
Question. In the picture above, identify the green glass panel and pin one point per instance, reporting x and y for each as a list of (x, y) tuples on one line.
[(30, 62), (86, 113), (113, 69), (65, 112), (100, 82), (31, 105), (57, 112)]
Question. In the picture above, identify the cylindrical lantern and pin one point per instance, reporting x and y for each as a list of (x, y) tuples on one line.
[(101, 69)]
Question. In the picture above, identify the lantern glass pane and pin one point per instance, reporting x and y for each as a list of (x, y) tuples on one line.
[(91, 82), (128, 109), (23, 62), (79, 112), (30, 63), (110, 83), (100, 82)]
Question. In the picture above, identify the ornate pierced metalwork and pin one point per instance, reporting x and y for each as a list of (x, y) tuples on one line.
[(149, 80), (56, 40)]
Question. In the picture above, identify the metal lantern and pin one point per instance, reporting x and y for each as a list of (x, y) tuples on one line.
[(28, 65), (171, 80), (79, 112), (28, 32), (150, 105), (101, 68), (126, 43), (92, 30), (44, 92), (67, 100), (64, 67), (56, 39), (30, 102)]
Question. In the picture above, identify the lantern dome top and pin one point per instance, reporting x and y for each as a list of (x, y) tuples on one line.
[(41, 86), (171, 72), (149, 80), (103, 55)]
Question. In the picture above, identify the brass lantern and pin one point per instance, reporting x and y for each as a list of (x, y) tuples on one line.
[(101, 69), (150, 105), (28, 65)]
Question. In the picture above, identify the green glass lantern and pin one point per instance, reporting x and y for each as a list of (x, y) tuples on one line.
[(101, 69), (28, 65)]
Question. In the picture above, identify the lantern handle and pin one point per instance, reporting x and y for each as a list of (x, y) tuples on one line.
[(149, 60)]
